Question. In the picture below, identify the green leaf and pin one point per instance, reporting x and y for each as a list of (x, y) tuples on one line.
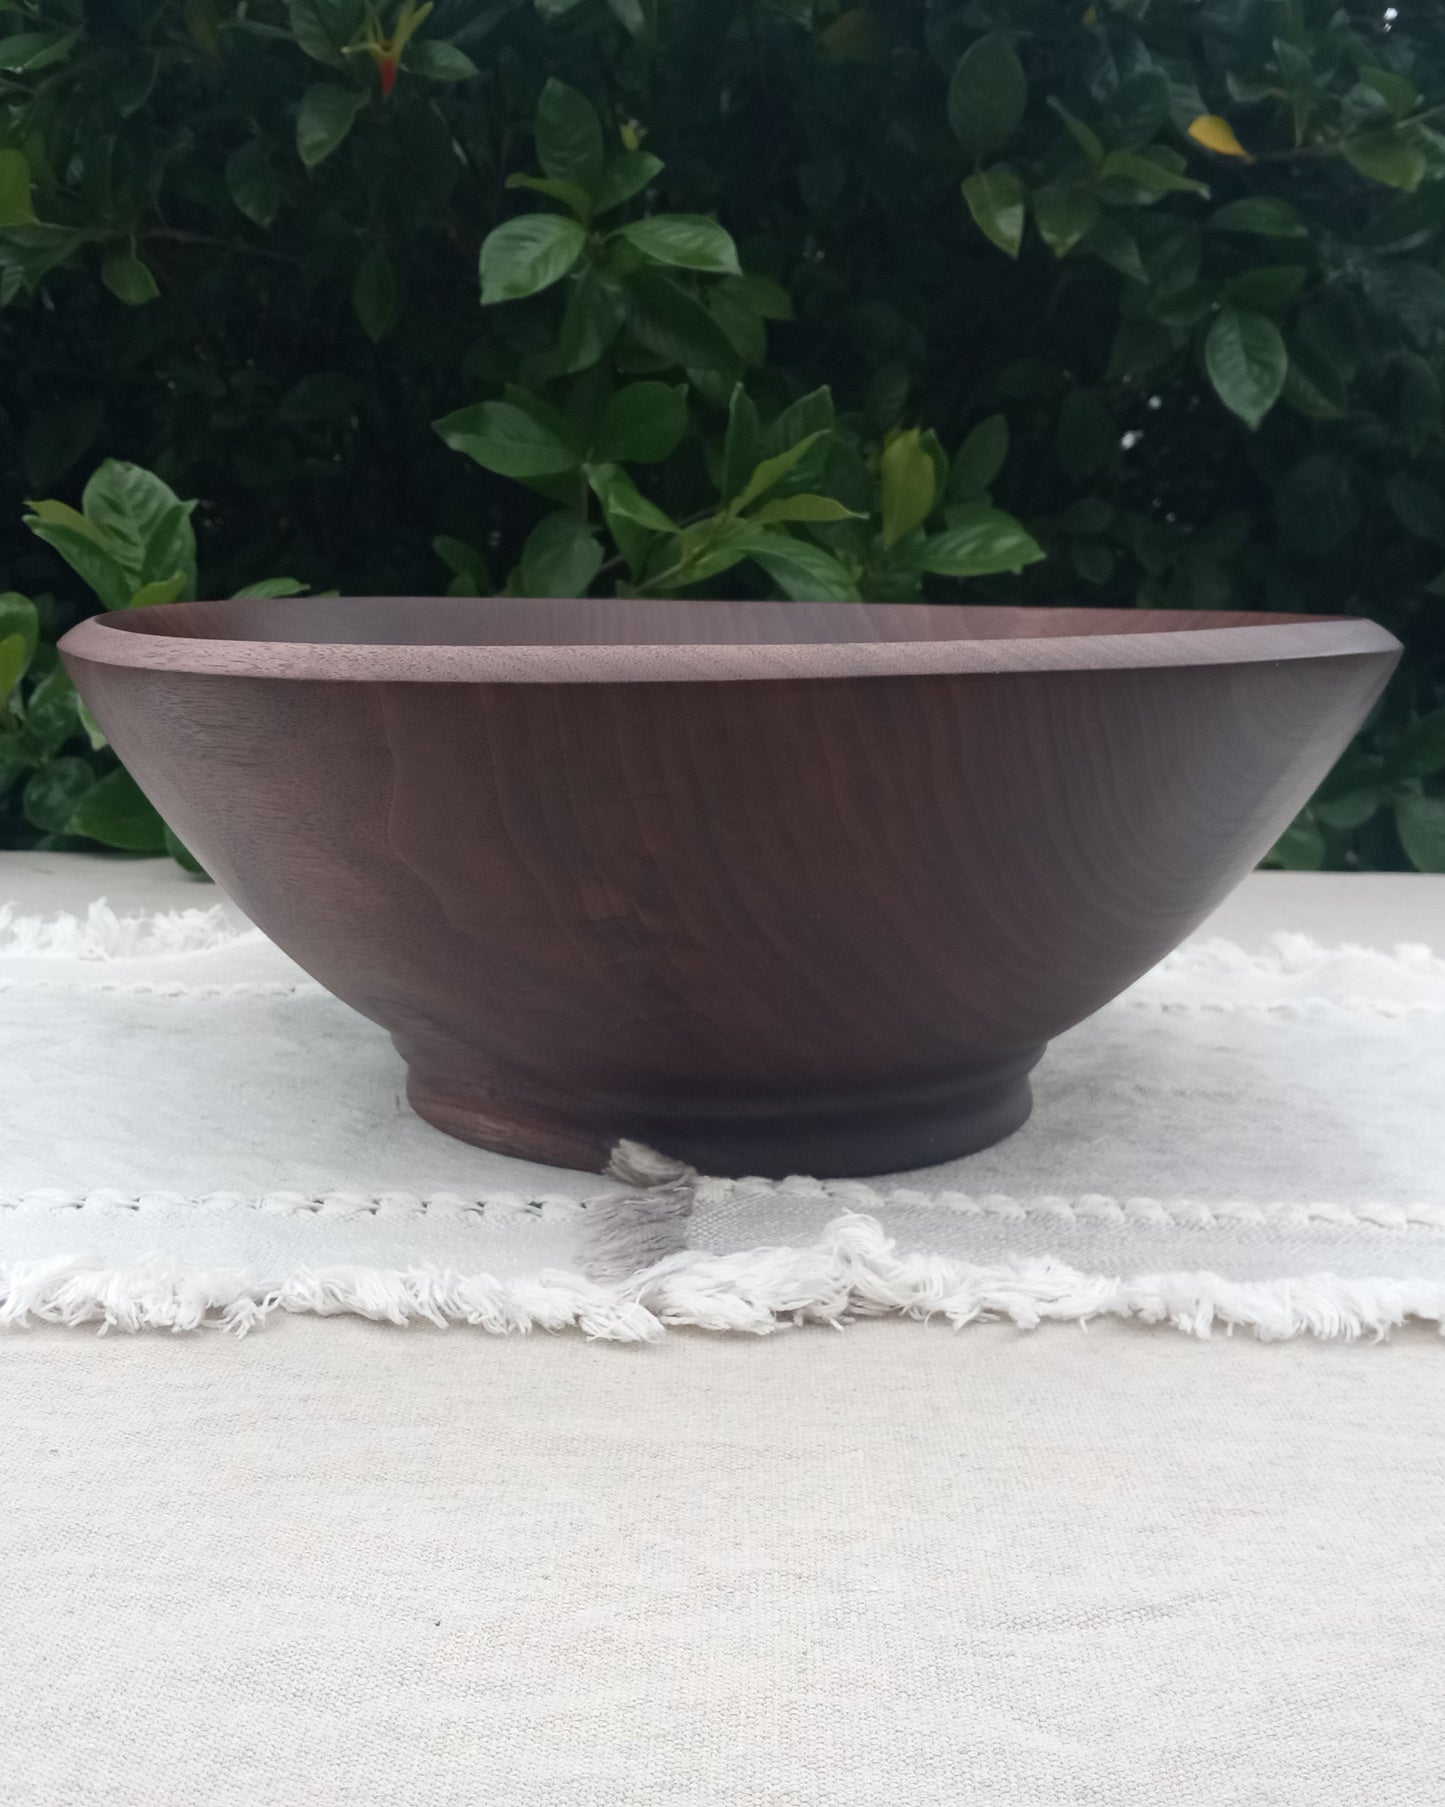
[(987, 541), (808, 415), (1420, 750), (1107, 240), (996, 200), (471, 575), (52, 714), (1411, 294), (128, 279), (802, 571), (569, 136), (938, 458), (1259, 214), (527, 255), (252, 182), (16, 207), (1268, 287), (769, 300), (642, 424), (703, 551), (323, 28), (636, 17), (806, 508), (61, 514), (1417, 506), (1137, 108), (375, 293), (561, 557), (1087, 139), (1397, 91), (162, 590), (908, 486), (13, 761), (14, 662), (20, 618), (688, 240), (141, 520), (504, 438), (90, 561), (742, 444), (1315, 506), (1093, 560), (182, 854), (590, 322), (770, 470), (979, 459), (625, 177), (1246, 361), (272, 586), (171, 547), (439, 61), (116, 812), (53, 792), (887, 394), (744, 328), (1396, 161), (326, 115), (1143, 172), (622, 500), (1300, 84), (986, 96), (1139, 346), (667, 322), (1301, 848), (1063, 216), (1421, 824), (26, 51), (575, 199), (1349, 809), (1312, 387)]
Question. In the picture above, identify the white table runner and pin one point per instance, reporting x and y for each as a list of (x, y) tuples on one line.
[(198, 1133)]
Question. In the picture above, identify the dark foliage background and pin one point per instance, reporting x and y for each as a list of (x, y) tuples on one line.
[(1135, 303)]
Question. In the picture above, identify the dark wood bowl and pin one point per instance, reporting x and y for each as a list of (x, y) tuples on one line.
[(776, 887)]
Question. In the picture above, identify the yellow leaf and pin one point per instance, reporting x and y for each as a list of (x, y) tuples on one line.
[(1091, 15), (909, 485), (1217, 135)]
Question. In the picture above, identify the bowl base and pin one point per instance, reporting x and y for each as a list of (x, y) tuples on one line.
[(889, 1132)]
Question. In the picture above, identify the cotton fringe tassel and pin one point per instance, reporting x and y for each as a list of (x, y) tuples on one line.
[(645, 1220), (853, 1271)]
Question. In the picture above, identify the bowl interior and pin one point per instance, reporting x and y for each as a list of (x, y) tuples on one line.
[(628, 621)]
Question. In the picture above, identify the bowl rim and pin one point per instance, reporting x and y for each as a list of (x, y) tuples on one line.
[(119, 640)]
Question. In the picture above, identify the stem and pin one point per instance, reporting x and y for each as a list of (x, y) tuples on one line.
[(1308, 153), (618, 561), (171, 235)]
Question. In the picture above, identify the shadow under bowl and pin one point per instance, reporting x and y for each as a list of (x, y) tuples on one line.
[(776, 887)]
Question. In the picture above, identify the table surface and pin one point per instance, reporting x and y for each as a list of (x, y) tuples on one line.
[(340, 1562)]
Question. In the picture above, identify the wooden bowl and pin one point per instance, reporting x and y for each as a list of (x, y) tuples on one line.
[(776, 887)]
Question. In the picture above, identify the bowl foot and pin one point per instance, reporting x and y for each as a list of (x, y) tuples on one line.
[(881, 1132)]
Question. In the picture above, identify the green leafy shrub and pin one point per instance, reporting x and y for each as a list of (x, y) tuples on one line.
[(132, 542), (1140, 302)]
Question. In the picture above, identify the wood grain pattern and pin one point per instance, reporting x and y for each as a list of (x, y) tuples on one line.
[(819, 914)]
